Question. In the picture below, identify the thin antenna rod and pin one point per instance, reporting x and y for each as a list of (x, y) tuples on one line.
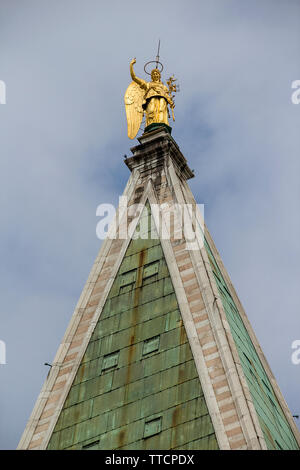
[(157, 57)]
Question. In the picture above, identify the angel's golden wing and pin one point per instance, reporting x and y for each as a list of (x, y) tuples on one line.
[(133, 105)]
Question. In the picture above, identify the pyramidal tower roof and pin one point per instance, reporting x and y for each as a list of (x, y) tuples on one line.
[(159, 353)]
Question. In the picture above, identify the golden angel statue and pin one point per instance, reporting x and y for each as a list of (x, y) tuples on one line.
[(151, 98)]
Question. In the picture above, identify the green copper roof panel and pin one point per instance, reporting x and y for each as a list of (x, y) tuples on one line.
[(276, 429), (137, 386)]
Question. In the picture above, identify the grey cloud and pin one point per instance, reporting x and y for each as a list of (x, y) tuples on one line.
[(63, 136)]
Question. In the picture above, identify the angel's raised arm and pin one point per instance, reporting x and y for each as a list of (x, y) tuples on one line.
[(136, 79)]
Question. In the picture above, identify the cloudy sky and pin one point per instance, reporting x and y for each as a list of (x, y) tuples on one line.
[(62, 140)]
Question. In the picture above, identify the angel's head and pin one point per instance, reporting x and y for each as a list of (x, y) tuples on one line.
[(155, 75)]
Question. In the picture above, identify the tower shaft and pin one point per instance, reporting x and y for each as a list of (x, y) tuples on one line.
[(159, 353)]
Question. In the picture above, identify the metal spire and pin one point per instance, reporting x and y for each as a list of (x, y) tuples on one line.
[(157, 57)]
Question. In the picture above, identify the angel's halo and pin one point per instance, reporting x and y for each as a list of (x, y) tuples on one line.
[(153, 62)]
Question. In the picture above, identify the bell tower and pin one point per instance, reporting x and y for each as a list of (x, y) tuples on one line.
[(159, 353)]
